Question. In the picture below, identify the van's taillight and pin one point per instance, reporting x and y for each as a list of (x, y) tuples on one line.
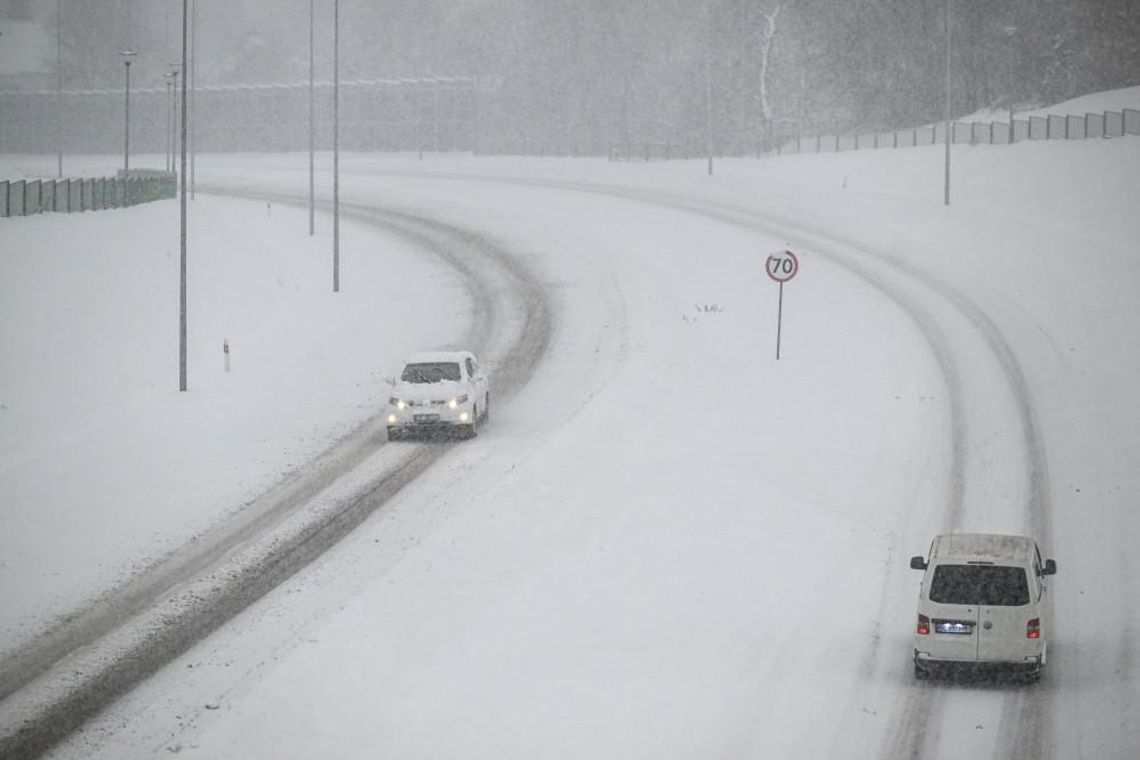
[(923, 624), (1033, 629)]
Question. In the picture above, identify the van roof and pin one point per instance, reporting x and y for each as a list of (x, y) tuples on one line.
[(968, 546)]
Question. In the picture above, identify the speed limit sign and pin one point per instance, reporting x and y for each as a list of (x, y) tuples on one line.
[(782, 266)]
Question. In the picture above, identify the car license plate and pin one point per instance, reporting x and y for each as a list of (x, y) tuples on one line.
[(953, 626), (426, 418)]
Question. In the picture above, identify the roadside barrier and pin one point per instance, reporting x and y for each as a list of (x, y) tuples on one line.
[(787, 141), (1049, 127), (25, 197)]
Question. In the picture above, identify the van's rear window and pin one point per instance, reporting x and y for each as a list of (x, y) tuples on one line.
[(996, 585)]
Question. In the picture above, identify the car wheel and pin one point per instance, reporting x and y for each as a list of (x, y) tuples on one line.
[(470, 430), (920, 672), (393, 434)]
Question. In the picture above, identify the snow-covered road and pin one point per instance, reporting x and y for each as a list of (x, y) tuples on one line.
[(670, 545), (179, 598)]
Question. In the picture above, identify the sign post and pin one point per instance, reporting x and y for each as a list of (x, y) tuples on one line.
[(781, 267)]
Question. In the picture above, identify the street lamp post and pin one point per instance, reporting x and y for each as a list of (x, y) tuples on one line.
[(949, 126), (127, 55), (168, 155), (192, 75), (59, 87), (312, 121), (182, 220), (1010, 30), (708, 86), (336, 146), (172, 133)]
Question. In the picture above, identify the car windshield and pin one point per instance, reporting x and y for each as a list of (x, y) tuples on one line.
[(996, 585), (432, 372)]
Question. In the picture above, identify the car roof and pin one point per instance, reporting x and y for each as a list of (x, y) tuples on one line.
[(435, 357), (974, 546)]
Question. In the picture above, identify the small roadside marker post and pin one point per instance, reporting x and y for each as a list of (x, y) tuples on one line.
[(781, 267), (226, 352)]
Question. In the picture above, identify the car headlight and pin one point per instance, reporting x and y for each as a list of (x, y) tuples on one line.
[(455, 402), (399, 403)]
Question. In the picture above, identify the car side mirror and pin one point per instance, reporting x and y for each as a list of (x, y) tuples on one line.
[(1050, 568), (390, 380), (917, 563)]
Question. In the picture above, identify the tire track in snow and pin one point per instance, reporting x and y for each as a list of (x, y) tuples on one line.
[(1024, 731), (909, 732), (69, 674), (911, 721)]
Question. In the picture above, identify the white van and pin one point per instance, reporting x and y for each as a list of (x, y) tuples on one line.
[(982, 602)]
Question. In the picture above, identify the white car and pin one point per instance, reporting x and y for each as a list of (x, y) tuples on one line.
[(982, 603), (439, 392)]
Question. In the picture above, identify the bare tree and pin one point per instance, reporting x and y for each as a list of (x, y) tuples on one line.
[(767, 39)]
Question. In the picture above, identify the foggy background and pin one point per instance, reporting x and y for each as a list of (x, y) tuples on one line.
[(586, 73)]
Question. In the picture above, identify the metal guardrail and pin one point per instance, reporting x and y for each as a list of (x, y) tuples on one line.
[(37, 196)]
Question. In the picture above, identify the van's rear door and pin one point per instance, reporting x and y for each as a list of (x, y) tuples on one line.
[(1001, 634), (1003, 615), (953, 632), (953, 611)]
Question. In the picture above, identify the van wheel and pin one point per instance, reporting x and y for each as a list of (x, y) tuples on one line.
[(920, 673)]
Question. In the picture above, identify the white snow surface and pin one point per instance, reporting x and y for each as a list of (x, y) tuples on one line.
[(1096, 102), (669, 544)]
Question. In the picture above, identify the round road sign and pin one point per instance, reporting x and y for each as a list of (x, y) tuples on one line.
[(782, 266)]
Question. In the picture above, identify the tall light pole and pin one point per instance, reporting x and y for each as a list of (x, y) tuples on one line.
[(1010, 30), (708, 84), (127, 55), (336, 146), (312, 119), (192, 75), (168, 128), (182, 220), (949, 135), (172, 133), (59, 86)]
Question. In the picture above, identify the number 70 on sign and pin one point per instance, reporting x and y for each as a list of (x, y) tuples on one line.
[(781, 267)]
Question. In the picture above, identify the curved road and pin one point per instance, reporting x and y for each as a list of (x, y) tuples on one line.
[(936, 308), (61, 678), (949, 322)]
